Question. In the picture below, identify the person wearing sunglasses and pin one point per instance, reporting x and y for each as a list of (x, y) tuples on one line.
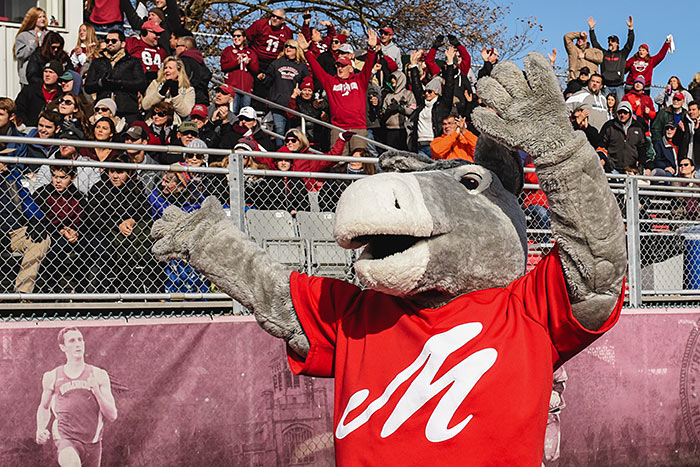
[(267, 37), (72, 109), (172, 86), (147, 49), (161, 131), (51, 50), (240, 62), (327, 59), (108, 108), (282, 77), (116, 74), (666, 153), (625, 142)]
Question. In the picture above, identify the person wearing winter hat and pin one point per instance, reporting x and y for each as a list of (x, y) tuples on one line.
[(625, 141), (32, 99), (642, 63), (108, 108), (196, 160), (642, 105)]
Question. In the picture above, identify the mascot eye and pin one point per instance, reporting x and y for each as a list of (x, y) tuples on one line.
[(471, 181)]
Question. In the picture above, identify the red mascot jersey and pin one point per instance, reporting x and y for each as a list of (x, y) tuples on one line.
[(464, 384)]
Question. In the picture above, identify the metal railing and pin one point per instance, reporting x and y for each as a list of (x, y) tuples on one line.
[(660, 213)]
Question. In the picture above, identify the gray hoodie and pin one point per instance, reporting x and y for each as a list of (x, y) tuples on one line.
[(405, 99)]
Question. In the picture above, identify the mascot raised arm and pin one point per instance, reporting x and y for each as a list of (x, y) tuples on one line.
[(447, 356)]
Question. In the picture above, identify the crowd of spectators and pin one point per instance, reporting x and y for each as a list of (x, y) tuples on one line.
[(154, 87)]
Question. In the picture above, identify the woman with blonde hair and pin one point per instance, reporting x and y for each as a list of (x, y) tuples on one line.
[(86, 48), (30, 36), (282, 76), (172, 85)]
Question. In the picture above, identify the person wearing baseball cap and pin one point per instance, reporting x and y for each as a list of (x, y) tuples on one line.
[(613, 66), (642, 63), (147, 49), (674, 113), (666, 153), (389, 48)]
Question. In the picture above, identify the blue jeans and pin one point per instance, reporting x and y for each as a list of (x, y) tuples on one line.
[(280, 122), (240, 101), (425, 149), (371, 147), (619, 91)]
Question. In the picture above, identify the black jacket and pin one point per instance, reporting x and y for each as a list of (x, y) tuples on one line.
[(125, 80), (36, 63), (626, 150), (613, 67), (198, 73), (441, 109), (30, 102)]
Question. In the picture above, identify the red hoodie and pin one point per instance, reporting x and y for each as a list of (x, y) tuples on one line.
[(635, 66)]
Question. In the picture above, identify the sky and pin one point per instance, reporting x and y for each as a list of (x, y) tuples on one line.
[(652, 23)]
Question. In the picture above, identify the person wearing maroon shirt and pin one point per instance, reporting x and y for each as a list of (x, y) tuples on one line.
[(241, 64), (266, 37), (105, 15), (643, 64), (347, 92), (147, 50)]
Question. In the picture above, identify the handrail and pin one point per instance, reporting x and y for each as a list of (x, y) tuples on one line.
[(316, 121), (311, 157)]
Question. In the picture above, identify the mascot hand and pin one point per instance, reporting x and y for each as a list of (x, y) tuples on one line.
[(524, 110), (177, 231)]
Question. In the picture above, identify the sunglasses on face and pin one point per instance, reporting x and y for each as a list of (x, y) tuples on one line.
[(278, 18), (160, 114), (290, 47), (335, 41), (190, 133), (621, 112), (685, 164), (101, 109), (111, 41), (245, 119), (195, 156), (55, 47), (197, 117), (238, 35), (340, 65), (290, 139), (157, 34), (67, 102)]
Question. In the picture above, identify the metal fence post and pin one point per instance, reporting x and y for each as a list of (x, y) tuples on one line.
[(634, 269), (236, 193)]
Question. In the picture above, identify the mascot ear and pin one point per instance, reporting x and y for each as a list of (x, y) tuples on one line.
[(506, 164)]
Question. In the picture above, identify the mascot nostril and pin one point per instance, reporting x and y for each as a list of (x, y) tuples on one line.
[(422, 358)]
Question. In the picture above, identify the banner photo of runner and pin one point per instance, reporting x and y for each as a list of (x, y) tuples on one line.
[(218, 392)]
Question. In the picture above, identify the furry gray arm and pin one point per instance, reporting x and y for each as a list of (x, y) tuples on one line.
[(220, 251), (527, 112)]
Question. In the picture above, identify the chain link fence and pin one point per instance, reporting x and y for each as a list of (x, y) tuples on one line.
[(85, 237)]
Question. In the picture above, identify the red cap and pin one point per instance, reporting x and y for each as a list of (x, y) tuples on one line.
[(151, 26), (644, 46), (227, 89), (387, 30), (342, 38), (307, 82), (343, 60), (679, 95), (199, 111)]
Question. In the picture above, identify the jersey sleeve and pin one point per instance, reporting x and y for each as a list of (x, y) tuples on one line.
[(546, 300), (320, 303)]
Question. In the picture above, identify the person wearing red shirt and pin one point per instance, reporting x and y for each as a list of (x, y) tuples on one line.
[(32, 99), (240, 63), (347, 92), (643, 64), (642, 105), (147, 50), (266, 37), (105, 15)]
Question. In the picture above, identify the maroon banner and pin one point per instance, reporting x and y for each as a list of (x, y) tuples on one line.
[(194, 392)]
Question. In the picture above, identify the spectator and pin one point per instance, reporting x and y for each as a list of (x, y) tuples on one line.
[(116, 73), (47, 127), (396, 111), (29, 38), (694, 87), (160, 124), (674, 86), (240, 63), (176, 189), (612, 102), (266, 37), (375, 131), (456, 142), (304, 101), (689, 127), (72, 110), (575, 85), (220, 111), (581, 54), (138, 134), (21, 218), (347, 92), (579, 120), (613, 67), (283, 75), (65, 265), (642, 105), (327, 59), (197, 71), (666, 153), (86, 176), (186, 133), (591, 98), (319, 44), (433, 104), (51, 50), (7, 122), (686, 208), (71, 83), (490, 58), (624, 140), (104, 14), (673, 114), (32, 99), (86, 48), (108, 108), (104, 132), (333, 187), (388, 48), (208, 132), (147, 50), (172, 86), (247, 125), (117, 213), (155, 15), (643, 64)]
